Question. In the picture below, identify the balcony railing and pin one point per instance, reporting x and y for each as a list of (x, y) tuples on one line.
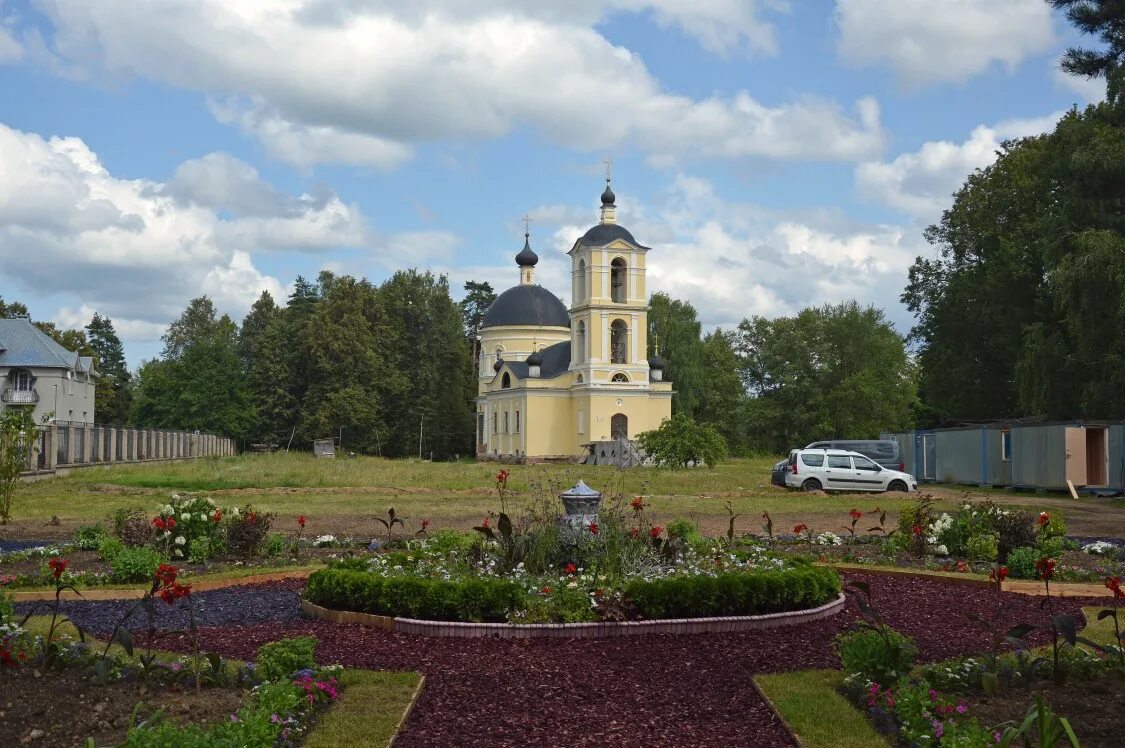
[(12, 396)]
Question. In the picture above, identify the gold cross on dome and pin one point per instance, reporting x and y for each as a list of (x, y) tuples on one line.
[(656, 344), (608, 169), (526, 225)]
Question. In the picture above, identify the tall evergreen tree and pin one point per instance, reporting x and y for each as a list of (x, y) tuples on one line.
[(478, 297), (112, 395), (674, 326), (1106, 20), (265, 357), (722, 401)]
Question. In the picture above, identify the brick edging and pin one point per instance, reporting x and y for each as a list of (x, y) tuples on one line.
[(600, 629), (136, 593), (1030, 587)]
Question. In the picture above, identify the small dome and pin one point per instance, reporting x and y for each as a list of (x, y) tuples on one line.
[(526, 305), (535, 359), (608, 198), (604, 233), (526, 257), (498, 365), (656, 363)]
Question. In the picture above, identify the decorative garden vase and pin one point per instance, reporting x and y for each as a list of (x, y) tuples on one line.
[(581, 504)]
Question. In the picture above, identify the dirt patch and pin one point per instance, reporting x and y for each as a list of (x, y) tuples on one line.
[(1094, 708), (65, 708)]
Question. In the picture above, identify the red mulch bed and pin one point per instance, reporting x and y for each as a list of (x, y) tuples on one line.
[(650, 690)]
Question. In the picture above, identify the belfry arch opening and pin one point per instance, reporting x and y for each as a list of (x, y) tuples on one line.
[(618, 276), (618, 342)]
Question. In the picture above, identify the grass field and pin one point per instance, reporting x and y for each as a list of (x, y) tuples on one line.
[(344, 495)]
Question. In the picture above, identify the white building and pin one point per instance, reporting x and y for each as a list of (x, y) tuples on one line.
[(37, 372)]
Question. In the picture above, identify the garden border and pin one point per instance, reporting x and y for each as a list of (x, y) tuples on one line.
[(1032, 587), (600, 629), (136, 593)]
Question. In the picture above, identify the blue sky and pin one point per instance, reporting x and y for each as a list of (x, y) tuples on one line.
[(774, 154)]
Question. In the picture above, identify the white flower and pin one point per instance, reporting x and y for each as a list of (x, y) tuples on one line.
[(234, 511), (202, 517), (167, 510), (572, 585), (167, 534), (941, 550), (1099, 548), (175, 497), (178, 553), (186, 516), (180, 540)]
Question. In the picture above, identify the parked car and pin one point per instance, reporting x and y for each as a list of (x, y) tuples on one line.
[(886, 452), (779, 471), (842, 470)]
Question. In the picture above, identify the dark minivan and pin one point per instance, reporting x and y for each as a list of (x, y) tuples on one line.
[(883, 451)]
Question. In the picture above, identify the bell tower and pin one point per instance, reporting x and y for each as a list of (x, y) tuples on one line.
[(609, 307)]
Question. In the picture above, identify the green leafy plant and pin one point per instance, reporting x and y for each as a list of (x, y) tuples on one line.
[(1048, 727), (280, 659), (19, 443), (983, 547), (1021, 562), (185, 519), (89, 537), (109, 547), (135, 564), (881, 528), (874, 648), (276, 544), (390, 522), (50, 648)]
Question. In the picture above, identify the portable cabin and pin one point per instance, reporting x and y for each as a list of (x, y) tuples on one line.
[(979, 455)]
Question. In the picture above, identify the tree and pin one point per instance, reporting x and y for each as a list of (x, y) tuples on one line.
[(674, 327), (112, 395), (264, 355), (1106, 19), (12, 309), (19, 443), (830, 372), (680, 442), (723, 398), (478, 298), (72, 340), (197, 324)]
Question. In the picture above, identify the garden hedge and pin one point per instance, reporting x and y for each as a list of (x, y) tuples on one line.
[(475, 600), (490, 600), (734, 594)]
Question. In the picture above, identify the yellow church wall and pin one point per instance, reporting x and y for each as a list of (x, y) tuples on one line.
[(517, 342), (553, 430)]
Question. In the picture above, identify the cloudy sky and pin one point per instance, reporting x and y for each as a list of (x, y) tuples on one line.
[(774, 154)]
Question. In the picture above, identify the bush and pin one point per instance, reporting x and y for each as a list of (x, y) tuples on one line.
[(135, 564), (89, 537), (201, 549), (680, 442), (1016, 529), (1049, 546), (247, 530), (276, 544), (983, 547), (685, 530), (282, 658), (195, 518), (733, 594), (429, 599), (1021, 562), (132, 527), (7, 608), (109, 548), (883, 656)]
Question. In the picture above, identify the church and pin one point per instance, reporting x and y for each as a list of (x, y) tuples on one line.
[(553, 380)]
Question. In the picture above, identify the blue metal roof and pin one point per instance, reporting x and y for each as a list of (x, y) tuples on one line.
[(24, 344)]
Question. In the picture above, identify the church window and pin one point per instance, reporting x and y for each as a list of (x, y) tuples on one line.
[(496, 423), (580, 343), (506, 423), (580, 284), (617, 280), (579, 379), (517, 422), (619, 377), (506, 381), (618, 341)]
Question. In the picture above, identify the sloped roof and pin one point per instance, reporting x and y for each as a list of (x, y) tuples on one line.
[(556, 361), (24, 344), (604, 233), (526, 305)]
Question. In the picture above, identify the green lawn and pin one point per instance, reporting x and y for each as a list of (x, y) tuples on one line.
[(345, 491), (370, 710), (816, 712)]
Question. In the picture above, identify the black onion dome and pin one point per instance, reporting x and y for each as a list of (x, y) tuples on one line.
[(656, 363), (526, 305), (535, 359), (526, 257), (608, 198), (498, 365), (604, 233)]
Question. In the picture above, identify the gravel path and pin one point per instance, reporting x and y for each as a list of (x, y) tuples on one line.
[(633, 691)]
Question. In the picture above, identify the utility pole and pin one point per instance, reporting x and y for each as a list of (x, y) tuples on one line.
[(420, 423)]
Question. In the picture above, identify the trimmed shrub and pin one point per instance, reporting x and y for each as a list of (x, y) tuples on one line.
[(1016, 529), (733, 594), (108, 549), (429, 599), (983, 547), (276, 544), (247, 530), (883, 656), (89, 537), (1021, 562), (135, 564), (282, 658)]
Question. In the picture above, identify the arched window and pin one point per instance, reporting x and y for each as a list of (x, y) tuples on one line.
[(21, 380), (579, 380), (619, 377), (506, 381), (618, 342), (618, 273), (619, 426), (580, 343), (580, 282)]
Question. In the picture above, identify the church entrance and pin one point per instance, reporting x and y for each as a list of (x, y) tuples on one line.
[(619, 426)]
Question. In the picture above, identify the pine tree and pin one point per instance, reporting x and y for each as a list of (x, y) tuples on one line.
[(112, 393), (264, 356)]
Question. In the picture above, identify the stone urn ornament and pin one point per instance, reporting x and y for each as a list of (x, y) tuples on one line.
[(581, 503)]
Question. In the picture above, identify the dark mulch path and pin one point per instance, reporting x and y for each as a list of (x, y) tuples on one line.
[(642, 691)]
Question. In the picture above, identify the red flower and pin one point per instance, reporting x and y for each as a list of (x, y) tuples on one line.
[(502, 477), (1114, 583), (1045, 567), (174, 592), (166, 574), (484, 523), (599, 592), (546, 590), (1001, 573), (656, 531), (638, 503), (158, 523), (58, 566), (217, 517), (425, 524), (1044, 518), (634, 533), (302, 520), (593, 528), (571, 569), (798, 529), (855, 513), (962, 567), (917, 530), (169, 523), (251, 517)]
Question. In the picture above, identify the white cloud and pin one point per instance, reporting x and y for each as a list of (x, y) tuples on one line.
[(339, 81), (921, 183), (1089, 90), (10, 49), (136, 250), (926, 42)]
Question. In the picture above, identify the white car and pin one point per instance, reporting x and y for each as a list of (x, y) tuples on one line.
[(840, 470)]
